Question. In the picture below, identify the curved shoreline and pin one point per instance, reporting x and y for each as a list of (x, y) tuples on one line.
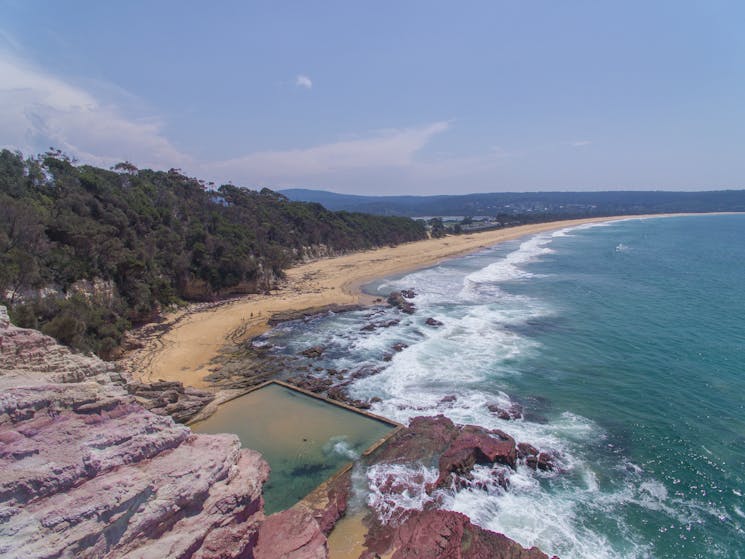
[(194, 337)]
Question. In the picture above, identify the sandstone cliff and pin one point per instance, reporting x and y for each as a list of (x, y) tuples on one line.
[(86, 471)]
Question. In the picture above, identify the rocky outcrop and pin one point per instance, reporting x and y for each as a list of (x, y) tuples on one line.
[(425, 439), (438, 534), (535, 459), (421, 462), (170, 398), (300, 532), (513, 411), (31, 358), (88, 472), (311, 313), (314, 352), (475, 445), (380, 324), (397, 299)]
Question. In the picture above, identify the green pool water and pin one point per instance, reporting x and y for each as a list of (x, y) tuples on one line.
[(305, 439)]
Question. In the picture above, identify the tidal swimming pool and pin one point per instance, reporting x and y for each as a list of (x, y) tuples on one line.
[(305, 439)]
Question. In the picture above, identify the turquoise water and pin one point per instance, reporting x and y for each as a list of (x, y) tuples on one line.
[(625, 345)]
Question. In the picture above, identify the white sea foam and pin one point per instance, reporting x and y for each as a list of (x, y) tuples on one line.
[(620, 247), (341, 446), (395, 489), (510, 267)]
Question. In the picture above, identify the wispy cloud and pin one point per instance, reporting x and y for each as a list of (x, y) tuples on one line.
[(383, 149), (580, 143), (303, 81), (38, 110)]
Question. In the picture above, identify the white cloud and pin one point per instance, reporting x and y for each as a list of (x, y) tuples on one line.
[(394, 148), (580, 143), (38, 110), (303, 81)]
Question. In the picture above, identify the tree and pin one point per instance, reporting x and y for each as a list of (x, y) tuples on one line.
[(437, 227)]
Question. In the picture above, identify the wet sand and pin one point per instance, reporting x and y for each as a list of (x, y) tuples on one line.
[(193, 338), (347, 539)]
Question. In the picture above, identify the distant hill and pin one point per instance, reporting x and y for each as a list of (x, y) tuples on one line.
[(546, 204)]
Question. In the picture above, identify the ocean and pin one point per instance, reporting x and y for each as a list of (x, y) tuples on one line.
[(623, 342)]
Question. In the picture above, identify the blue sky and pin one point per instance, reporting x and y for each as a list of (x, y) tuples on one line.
[(385, 97)]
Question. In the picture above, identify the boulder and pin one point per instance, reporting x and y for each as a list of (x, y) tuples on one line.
[(475, 445), (313, 352), (433, 322), (535, 459), (513, 411), (396, 299)]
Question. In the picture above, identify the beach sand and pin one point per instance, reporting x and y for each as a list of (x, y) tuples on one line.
[(193, 338)]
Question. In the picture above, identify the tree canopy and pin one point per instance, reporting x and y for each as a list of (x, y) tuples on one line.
[(87, 252)]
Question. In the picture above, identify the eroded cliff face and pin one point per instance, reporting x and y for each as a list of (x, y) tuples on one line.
[(86, 471)]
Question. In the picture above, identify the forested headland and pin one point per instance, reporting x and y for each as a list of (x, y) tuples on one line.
[(86, 252)]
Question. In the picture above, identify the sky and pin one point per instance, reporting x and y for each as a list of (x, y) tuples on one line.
[(385, 97)]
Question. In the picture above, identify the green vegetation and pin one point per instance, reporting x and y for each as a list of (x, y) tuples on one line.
[(85, 252)]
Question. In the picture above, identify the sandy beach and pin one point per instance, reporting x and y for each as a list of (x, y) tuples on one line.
[(192, 338)]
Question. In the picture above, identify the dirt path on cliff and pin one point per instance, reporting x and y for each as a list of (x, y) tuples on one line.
[(183, 345)]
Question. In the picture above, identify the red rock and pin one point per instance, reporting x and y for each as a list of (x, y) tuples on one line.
[(475, 445), (87, 472), (329, 501), (438, 534), (536, 459), (514, 411), (291, 534), (525, 449), (545, 461), (423, 441)]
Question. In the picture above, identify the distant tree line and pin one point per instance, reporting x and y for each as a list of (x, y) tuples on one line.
[(86, 252), (530, 206)]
